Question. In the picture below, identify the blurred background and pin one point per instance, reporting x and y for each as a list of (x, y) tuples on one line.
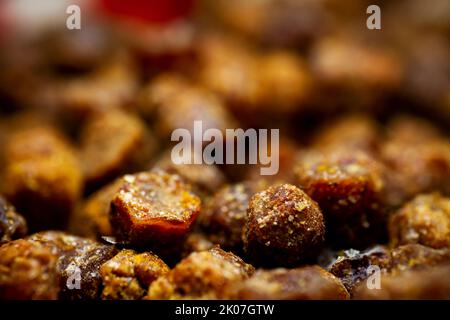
[(325, 59), (288, 64)]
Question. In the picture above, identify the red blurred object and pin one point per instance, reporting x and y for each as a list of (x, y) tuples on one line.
[(148, 11)]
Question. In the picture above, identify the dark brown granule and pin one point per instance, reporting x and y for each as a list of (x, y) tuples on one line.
[(224, 215), (41, 171), (12, 224), (284, 226), (201, 275), (305, 283), (348, 184), (153, 209), (425, 220), (113, 143), (128, 275), (28, 271), (77, 258)]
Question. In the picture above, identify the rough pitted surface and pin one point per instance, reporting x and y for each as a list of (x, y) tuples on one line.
[(424, 220), (28, 270), (128, 275), (201, 275), (283, 227)]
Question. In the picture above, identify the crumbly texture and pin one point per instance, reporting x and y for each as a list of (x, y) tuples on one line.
[(113, 143), (201, 275), (41, 171), (424, 220), (128, 275), (348, 184), (154, 209), (224, 215), (284, 226), (305, 283), (77, 259), (28, 271), (12, 224)]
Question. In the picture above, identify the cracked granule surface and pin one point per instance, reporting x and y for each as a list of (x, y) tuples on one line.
[(284, 226), (153, 208), (306, 283), (201, 275), (129, 274), (28, 271), (424, 220)]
